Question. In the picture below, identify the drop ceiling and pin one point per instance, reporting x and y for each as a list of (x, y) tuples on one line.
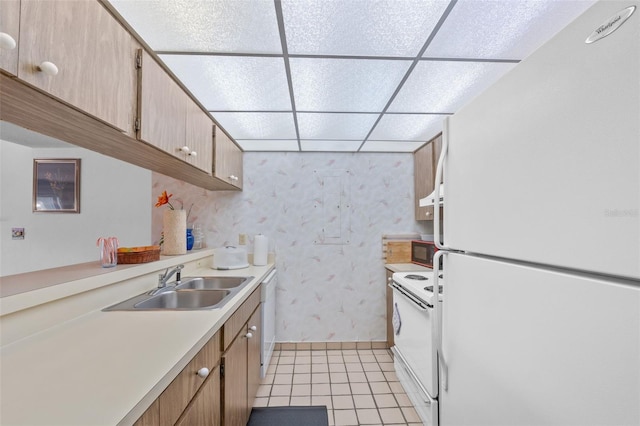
[(341, 75)]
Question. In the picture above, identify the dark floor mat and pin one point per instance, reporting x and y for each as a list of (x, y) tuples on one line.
[(289, 416)]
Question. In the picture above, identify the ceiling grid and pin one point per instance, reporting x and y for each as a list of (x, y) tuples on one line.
[(341, 75)]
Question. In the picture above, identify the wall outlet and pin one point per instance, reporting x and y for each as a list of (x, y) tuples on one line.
[(242, 239), (17, 233)]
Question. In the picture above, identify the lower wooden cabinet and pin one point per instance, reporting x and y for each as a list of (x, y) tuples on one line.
[(254, 326), (225, 395), (181, 391), (241, 362), (204, 409), (235, 411), (189, 391)]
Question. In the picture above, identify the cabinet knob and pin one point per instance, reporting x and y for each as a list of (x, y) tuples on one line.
[(253, 328), (49, 68), (203, 372), (193, 154), (185, 149), (248, 335), (428, 213), (7, 42), (232, 177)]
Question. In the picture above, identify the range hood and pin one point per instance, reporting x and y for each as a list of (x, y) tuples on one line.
[(429, 200)]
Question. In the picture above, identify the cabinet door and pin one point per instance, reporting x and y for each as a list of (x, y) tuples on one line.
[(423, 175), (179, 393), (10, 25), (204, 409), (227, 160), (94, 54), (161, 108), (151, 417), (235, 410), (200, 137), (254, 327)]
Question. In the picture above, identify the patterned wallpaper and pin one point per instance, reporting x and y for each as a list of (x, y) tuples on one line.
[(326, 292)]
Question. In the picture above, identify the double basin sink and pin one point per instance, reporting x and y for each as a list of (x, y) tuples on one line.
[(191, 293)]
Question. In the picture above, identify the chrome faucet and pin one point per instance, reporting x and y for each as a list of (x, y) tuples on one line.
[(164, 278)]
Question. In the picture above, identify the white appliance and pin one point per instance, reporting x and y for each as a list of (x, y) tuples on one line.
[(541, 241), (268, 299), (415, 337)]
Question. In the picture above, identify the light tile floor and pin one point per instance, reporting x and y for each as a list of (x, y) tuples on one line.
[(358, 386)]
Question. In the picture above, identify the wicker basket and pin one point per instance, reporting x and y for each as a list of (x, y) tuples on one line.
[(138, 255)]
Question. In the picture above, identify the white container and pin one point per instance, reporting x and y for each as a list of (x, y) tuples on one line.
[(230, 257), (260, 250)]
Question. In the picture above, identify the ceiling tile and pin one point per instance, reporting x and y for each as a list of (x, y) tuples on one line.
[(330, 145), (335, 126), (359, 27), (257, 125), (504, 29), (407, 127), (233, 83), (390, 146), (268, 145), (345, 84), (247, 26), (445, 86)]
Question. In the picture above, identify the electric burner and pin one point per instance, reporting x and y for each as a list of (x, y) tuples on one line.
[(416, 277)]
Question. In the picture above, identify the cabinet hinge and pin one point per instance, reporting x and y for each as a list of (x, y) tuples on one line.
[(136, 125), (138, 60), (221, 370)]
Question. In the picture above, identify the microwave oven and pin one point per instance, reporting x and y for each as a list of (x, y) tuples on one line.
[(422, 252)]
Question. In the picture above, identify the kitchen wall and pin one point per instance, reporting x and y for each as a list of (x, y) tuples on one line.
[(114, 201), (326, 292)]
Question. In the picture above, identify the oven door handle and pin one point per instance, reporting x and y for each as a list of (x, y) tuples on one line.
[(423, 306)]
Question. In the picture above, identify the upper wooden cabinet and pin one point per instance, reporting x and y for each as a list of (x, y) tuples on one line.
[(169, 119), (100, 99), (10, 30), (94, 55), (200, 132), (425, 164), (227, 160)]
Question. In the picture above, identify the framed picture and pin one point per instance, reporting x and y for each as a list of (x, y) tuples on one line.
[(56, 185)]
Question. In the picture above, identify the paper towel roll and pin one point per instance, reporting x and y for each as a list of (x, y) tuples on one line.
[(260, 250)]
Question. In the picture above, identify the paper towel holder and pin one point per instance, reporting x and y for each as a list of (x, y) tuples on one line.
[(260, 250)]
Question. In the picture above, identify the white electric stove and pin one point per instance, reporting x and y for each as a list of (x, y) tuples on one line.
[(415, 336)]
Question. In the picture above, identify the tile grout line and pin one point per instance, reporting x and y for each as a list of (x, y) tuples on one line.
[(376, 357)]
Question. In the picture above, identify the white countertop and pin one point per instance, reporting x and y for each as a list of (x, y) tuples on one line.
[(406, 267), (105, 368)]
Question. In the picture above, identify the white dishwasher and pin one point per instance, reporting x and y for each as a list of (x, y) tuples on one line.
[(268, 299)]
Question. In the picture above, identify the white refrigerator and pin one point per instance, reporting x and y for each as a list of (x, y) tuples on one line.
[(541, 236)]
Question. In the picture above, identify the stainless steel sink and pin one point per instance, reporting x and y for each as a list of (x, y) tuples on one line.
[(184, 299), (213, 283), (192, 293)]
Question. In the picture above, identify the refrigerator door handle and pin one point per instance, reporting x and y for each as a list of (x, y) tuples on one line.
[(437, 318), (438, 180)]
